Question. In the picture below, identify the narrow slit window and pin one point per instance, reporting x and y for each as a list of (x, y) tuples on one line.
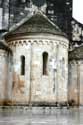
[(63, 67), (22, 65), (45, 63)]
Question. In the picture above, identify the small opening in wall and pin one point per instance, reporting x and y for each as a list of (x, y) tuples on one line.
[(24, 41), (22, 65), (63, 66), (45, 63), (19, 42)]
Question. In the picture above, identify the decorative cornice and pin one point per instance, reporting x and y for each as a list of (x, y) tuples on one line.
[(36, 41), (38, 36)]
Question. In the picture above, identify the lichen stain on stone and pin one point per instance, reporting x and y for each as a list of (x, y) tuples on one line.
[(17, 83), (21, 83)]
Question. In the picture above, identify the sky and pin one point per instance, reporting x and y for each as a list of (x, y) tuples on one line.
[(78, 10)]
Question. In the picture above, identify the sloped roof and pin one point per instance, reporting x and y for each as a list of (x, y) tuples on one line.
[(77, 53), (38, 23)]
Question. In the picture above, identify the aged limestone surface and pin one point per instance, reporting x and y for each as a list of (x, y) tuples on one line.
[(75, 84), (37, 70), (5, 61), (37, 66)]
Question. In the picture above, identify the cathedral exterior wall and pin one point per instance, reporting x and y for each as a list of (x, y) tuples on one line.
[(75, 85), (72, 86), (53, 86), (21, 83), (5, 85), (34, 86)]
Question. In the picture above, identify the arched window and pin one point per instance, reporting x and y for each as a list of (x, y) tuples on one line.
[(22, 65), (63, 67), (45, 61)]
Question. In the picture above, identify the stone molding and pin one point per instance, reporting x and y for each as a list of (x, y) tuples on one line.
[(41, 37), (76, 62)]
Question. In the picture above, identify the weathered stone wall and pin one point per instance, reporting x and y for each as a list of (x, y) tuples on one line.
[(81, 82), (72, 86), (5, 90), (21, 83), (34, 86), (51, 87), (76, 81)]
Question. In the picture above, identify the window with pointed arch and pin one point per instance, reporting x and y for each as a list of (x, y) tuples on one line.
[(22, 65), (45, 63)]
